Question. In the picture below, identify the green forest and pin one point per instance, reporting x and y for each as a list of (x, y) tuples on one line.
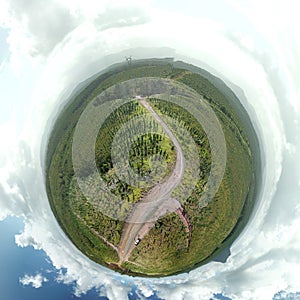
[(163, 251)]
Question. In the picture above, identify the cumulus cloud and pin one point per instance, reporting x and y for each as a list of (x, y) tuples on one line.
[(36, 281), (36, 28), (1, 65), (145, 291), (46, 24), (283, 295), (76, 40)]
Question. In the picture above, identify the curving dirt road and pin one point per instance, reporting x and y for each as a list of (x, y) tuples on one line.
[(157, 202)]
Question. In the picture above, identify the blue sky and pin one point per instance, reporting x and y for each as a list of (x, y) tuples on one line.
[(15, 262), (41, 61)]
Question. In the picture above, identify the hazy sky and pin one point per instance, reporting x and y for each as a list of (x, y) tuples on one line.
[(47, 49)]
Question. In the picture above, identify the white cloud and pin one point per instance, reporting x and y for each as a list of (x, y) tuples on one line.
[(145, 291), (287, 295), (36, 281), (37, 25), (265, 257), (2, 65), (36, 28)]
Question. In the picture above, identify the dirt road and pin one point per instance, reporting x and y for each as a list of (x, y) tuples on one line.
[(157, 202)]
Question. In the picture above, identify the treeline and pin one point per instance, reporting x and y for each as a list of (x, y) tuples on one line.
[(145, 147), (195, 129), (89, 216), (219, 102)]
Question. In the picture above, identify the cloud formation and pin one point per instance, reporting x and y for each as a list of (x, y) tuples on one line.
[(36, 28), (36, 281), (1, 65), (264, 258)]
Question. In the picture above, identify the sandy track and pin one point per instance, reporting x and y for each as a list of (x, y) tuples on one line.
[(157, 202)]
